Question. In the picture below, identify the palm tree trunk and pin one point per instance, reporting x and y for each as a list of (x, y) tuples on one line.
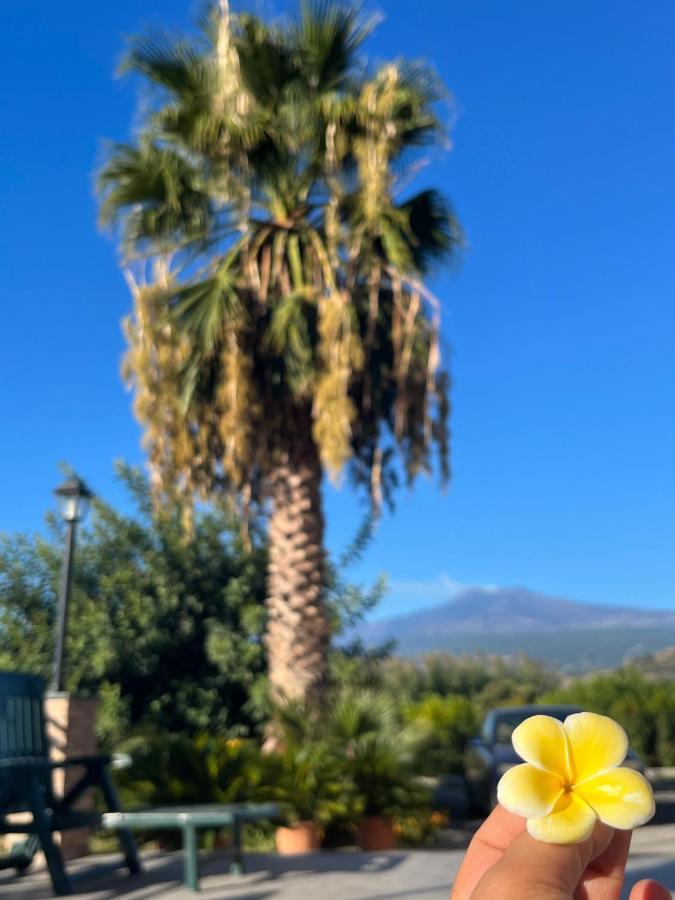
[(297, 630)]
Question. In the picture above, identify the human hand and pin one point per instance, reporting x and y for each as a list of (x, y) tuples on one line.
[(504, 863)]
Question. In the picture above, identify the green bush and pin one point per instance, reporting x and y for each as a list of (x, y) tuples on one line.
[(307, 782), (447, 723), (378, 750), (419, 827), (662, 706), (166, 628), (486, 681), (170, 769), (371, 749), (638, 703)]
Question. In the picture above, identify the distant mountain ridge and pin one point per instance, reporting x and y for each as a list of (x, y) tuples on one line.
[(509, 620)]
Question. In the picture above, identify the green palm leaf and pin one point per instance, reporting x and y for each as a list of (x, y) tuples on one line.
[(173, 65), (433, 232), (153, 191), (329, 36)]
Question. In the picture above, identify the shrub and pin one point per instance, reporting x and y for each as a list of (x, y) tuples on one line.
[(378, 752), (175, 769), (308, 783), (488, 681), (165, 627), (373, 750), (626, 696), (447, 723), (419, 827)]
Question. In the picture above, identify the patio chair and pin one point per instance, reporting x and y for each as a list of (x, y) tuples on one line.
[(26, 784)]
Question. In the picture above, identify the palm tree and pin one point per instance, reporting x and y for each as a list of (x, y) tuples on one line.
[(281, 326)]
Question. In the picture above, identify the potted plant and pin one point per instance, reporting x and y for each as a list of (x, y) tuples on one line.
[(307, 783), (385, 786), (378, 758)]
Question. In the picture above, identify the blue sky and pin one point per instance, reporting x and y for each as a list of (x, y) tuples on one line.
[(560, 319)]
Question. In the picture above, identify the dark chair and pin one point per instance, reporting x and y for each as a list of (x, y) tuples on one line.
[(26, 783)]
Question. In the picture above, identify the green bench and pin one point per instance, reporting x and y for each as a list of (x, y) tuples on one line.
[(26, 784), (189, 820)]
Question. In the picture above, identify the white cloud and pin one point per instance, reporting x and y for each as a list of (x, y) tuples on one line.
[(407, 594), (442, 587)]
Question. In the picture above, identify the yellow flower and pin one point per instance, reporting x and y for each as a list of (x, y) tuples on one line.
[(570, 778)]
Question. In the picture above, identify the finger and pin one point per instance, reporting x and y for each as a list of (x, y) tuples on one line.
[(612, 861), (487, 847), (650, 890), (531, 868), (603, 878)]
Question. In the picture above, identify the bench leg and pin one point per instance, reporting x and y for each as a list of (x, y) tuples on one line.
[(126, 838), (190, 858), (43, 826), (237, 866), (21, 855)]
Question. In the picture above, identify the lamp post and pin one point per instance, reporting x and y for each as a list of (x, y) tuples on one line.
[(73, 497)]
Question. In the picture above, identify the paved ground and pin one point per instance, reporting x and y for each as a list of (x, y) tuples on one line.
[(347, 875), (424, 874)]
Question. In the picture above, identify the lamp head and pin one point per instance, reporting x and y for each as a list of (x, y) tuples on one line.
[(73, 497)]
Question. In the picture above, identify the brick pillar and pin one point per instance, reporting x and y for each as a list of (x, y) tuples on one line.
[(71, 724)]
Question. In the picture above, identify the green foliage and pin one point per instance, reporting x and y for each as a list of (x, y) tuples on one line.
[(165, 628), (267, 186), (308, 783), (348, 603), (488, 681), (448, 723), (171, 769), (419, 827), (355, 758), (446, 698), (373, 748), (644, 706)]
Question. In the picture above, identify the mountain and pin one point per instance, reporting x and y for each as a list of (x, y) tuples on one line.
[(565, 633), (660, 664)]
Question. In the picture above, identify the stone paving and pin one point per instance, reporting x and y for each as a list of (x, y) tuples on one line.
[(348, 875)]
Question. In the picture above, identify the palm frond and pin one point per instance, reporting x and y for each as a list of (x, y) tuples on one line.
[(205, 309), (265, 60), (434, 233), (363, 714), (154, 192), (291, 335), (267, 176), (171, 64), (329, 36)]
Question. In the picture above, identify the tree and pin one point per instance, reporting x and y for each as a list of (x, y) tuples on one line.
[(167, 630), (281, 326)]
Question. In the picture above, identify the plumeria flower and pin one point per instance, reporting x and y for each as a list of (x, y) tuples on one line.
[(570, 778)]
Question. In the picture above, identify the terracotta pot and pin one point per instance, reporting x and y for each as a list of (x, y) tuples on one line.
[(222, 841), (376, 833), (303, 837)]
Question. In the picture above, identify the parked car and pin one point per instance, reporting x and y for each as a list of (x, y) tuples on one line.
[(488, 756)]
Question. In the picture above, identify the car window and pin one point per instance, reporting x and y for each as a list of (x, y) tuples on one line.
[(504, 728)]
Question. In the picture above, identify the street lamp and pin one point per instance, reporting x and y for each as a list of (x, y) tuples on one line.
[(73, 497)]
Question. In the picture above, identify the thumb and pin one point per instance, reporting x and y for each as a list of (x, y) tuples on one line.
[(650, 890), (531, 868)]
